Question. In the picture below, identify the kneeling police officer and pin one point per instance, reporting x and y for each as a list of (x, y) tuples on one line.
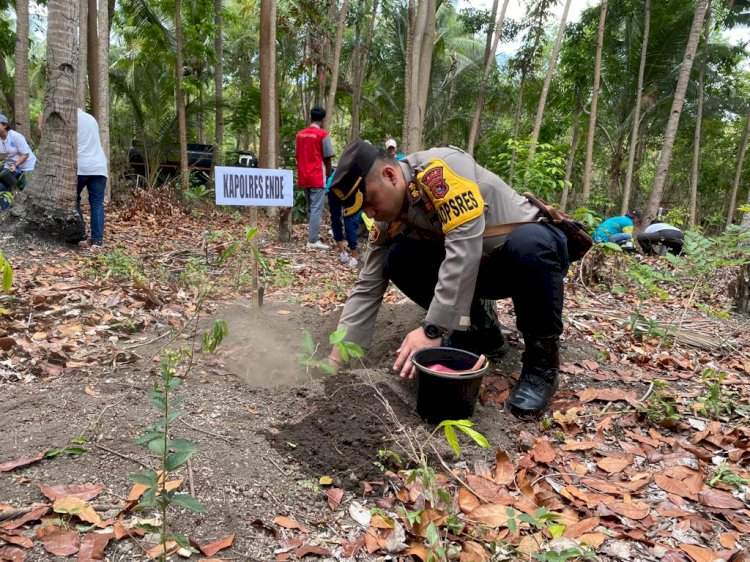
[(454, 237)]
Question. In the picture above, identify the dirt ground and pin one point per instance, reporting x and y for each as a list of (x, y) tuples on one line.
[(266, 429)]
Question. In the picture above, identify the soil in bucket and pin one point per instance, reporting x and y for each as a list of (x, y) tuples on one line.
[(447, 383)]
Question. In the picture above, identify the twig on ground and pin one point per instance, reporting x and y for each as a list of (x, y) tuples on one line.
[(126, 457), (211, 433), (273, 462), (190, 478), (147, 342)]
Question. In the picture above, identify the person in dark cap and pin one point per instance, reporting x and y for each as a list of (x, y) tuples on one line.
[(454, 238)]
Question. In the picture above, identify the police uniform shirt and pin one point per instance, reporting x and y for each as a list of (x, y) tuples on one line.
[(451, 198)]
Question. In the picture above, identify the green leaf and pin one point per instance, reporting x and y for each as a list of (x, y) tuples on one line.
[(149, 478), (176, 460), (189, 502), (478, 438), (157, 446), (433, 537), (611, 246), (182, 446), (452, 439), (307, 343), (337, 336), (7, 277), (79, 440), (556, 530)]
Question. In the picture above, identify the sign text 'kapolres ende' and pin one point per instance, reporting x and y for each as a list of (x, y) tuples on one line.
[(254, 187)]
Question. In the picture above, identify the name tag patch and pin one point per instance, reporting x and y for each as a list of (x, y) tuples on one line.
[(457, 200)]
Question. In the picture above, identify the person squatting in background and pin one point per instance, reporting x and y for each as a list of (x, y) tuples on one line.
[(18, 159), (351, 229), (617, 229), (661, 237)]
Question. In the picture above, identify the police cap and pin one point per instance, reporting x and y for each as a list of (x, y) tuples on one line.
[(349, 179)]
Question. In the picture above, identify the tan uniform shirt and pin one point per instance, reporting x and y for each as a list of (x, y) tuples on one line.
[(451, 198)]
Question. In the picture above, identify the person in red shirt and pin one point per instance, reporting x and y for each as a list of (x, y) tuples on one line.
[(314, 151)]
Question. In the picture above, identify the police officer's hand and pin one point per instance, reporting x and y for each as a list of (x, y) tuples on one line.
[(414, 341)]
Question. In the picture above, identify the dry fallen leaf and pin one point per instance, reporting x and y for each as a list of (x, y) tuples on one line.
[(78, 507), (503, 471), (311, 549), (83, 491), (467, 501), (719, 499), (613, 465), (634, 511), (699, 554), (543, 451), (93, 545), (581, 528), (214, 547), (22, 461), (17, 538), (31, 516), (289, 523), (58, 541), (160, 549), (334, 495), (493, 514), (251, 410), (12, 554)]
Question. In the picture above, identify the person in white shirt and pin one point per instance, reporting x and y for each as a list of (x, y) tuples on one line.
[(660, 238), (18, 158), (92, 174)]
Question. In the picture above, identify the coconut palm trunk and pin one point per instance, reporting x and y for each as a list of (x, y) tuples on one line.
[(92, 58), (670, 134), (21, 81), (637, 110), (49, 199), (586, 192), (738, 172), (359, 74), (548, 81)]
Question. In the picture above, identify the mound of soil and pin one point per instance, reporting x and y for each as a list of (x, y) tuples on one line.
[(343, 432)]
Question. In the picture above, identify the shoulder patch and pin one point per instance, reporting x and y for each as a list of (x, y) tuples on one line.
[(456, 199), (374, 233), (432, 179)]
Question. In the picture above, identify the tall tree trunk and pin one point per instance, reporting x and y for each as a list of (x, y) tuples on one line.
[(742, 285), (92, 43), (665, 157), (637, 110), (548, 81), (516, 127), (218, 85), (103, 95), (49, 199), (180, 97), (421, 67), (21, 82), (738, 172), (83, 52), (493, 38), (571, 160), (336, 59), (411, 17), (360, 71), (615, 173), (594, 98), (695, 167)]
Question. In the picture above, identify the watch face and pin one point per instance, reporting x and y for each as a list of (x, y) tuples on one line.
[(431, 331)]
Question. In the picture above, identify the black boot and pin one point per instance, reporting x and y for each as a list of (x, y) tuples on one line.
[(485, 334), (539, 377)]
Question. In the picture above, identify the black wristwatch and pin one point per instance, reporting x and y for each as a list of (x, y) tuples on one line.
[(432, 331)]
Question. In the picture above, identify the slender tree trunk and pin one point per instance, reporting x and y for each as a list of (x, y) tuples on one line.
[(695, 167), (738, 172), (359, 74), (516, 127), (665, 157), (425, 71), (92, 42), (493, 37), (571, 160), (219, 85), (83, 51), (49, 199), (637, 109), (103, 95), (615, 172), (548, 81), (413, 142), (411, 23), (594, 98), (336, 59), (21, 81), (180, 97)]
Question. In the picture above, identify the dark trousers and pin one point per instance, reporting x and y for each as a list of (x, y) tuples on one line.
[(351, 224), (96, 186), (661, 242), (528, 268)]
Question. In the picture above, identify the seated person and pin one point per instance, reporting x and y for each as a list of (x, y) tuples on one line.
[(660, 238), (616, 229)]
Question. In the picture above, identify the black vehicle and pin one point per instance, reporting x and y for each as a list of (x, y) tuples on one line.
[(200, 157)]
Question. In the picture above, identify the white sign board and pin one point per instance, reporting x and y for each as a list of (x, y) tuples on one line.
[(254, 187)]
